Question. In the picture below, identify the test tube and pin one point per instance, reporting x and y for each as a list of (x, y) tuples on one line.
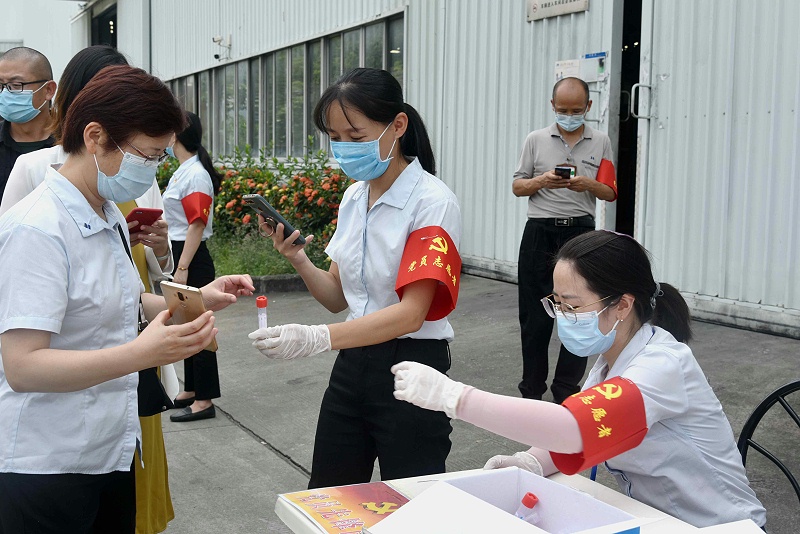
[(261, 304)]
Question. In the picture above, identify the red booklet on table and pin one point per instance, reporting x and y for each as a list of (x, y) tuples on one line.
[(347, 509)]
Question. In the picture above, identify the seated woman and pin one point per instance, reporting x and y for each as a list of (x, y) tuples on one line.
[(646, 409)]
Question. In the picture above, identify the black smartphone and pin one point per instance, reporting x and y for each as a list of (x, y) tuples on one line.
[(565, 171), (271, 216)]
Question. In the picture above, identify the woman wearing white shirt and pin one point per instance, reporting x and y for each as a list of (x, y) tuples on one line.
[(395, 266), (152, 254), (68, 320), (646, 408), (189, 210)]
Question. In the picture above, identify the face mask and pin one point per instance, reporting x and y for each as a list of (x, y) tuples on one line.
[(134, 178), (18, 107), (584, 338), (570, 123), (361, 161), (170, 151)]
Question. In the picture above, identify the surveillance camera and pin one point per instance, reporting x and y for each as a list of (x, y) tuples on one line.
[(217, 39), (216, 56)]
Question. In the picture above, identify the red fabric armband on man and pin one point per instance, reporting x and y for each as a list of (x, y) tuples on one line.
[(607, 175), (197, 206), (611, 420), (431, 254)]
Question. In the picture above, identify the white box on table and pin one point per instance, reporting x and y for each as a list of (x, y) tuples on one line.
[(486, 502)]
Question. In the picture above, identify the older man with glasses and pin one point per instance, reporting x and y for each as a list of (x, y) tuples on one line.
[(26, 89)]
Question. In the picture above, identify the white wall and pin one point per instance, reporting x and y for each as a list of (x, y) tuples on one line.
[(43, 25)]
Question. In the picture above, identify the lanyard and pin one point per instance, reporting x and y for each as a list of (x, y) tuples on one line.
[(142, 321)]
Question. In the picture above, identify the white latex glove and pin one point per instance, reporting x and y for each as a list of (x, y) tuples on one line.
[(291, 340), (523, 460), (426, 387)]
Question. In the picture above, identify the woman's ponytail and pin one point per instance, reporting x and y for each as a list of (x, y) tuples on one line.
[(415, 142), (208, 165), (672, 314), (191, 139)]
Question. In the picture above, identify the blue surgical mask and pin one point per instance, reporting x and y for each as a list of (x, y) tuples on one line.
[(170, 151), (134, 178), (570, 123), (361, 161), (583, 337), (18, 107)]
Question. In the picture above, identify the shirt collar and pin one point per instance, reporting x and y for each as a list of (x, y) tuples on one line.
[(88, 222), (587, 131), (189, 162), (398, 194), (638, 342)]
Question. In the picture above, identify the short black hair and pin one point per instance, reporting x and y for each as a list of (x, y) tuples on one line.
[(572, 79), (39, 63)]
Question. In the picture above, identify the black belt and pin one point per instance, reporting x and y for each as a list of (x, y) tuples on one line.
[(586, 221)]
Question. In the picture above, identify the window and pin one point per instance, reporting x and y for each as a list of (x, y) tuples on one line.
[(313, 92), (268, 101), (281, 96), (204, 106), (298, 97), (255, 105), (242, 79), (373, 48)]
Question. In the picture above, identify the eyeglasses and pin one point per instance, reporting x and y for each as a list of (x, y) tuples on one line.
[(18, 87), (160, 158), (569, 312)]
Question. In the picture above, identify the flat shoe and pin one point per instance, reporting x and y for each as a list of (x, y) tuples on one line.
[(187, 415), (183, 403)]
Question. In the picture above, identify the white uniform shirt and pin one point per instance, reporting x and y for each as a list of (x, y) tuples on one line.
[(64, 270), (29, 171), (368, 245), (190, 177), (688, 464)]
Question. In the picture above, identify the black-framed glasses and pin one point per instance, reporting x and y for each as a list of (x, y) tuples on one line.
[(569, 312), (158, 159), (18, 87)]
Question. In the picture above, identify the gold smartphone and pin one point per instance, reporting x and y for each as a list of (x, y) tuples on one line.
[(185, 303)]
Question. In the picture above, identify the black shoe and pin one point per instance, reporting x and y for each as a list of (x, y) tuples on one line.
[(187, 415), (183, 403)]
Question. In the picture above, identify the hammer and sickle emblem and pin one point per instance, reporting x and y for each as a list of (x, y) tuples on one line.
[(384, 508), (439, 245), (609, 391)]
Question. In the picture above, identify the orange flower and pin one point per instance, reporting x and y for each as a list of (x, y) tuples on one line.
[(320, 201), (230, 204), (246, 219), (326, 186)]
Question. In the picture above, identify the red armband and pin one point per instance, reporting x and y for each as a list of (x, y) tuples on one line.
[(611, 420), (197, 206), (431, 254), (607, 175)]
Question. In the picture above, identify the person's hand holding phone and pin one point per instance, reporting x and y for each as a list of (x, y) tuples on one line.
[(165, 344), (551, 180), (579, 184), (155, 235), (285, 246)]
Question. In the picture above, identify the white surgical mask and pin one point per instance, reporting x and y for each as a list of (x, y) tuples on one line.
[(583, 337), (134, 178)]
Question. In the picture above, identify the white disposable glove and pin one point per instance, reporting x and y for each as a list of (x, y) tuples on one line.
[(291, 340), (426, 387), (523, 460)]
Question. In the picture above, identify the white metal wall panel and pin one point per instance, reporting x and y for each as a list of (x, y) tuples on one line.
[(182, 29), (482, 81), (721, 216)]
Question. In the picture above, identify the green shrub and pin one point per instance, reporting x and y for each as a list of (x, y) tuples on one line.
[(306, 192)]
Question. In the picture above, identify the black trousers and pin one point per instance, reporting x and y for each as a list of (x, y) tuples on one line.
[(360, 420), (68, 504), (540, 243), (200, 372)]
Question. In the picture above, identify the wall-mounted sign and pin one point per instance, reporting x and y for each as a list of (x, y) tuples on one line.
[(542, 9), (589, 68)]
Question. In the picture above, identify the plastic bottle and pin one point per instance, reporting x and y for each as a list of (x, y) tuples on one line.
[(261, 304), (526, 511)]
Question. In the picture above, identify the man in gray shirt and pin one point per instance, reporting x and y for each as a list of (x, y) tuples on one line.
[(559, 208)]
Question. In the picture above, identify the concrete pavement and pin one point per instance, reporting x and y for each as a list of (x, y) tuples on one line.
[(225, 473)]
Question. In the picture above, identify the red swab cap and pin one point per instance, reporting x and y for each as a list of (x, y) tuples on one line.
[(261, 302), (530, 500)]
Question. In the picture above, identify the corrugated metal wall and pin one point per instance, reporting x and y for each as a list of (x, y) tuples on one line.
[(493, 74), (182, 29), (722, 215)]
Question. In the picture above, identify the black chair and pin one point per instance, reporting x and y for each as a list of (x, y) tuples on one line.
[(746, 438)]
